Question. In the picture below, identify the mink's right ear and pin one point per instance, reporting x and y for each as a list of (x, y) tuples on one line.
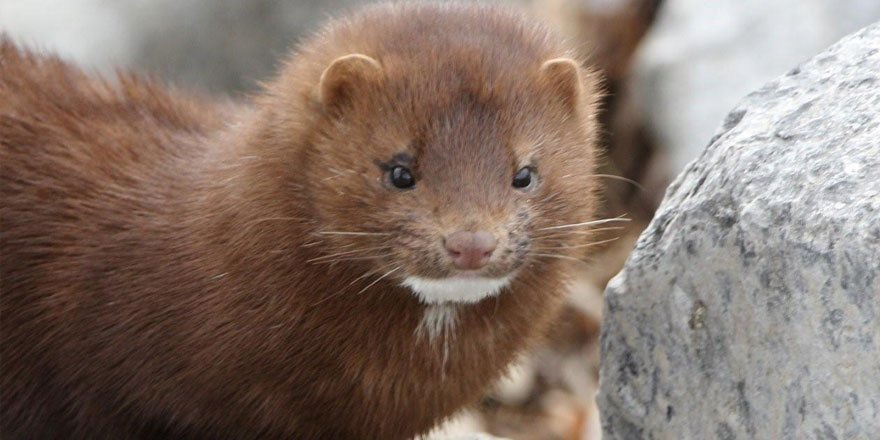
[(345, 76), (563, 77)]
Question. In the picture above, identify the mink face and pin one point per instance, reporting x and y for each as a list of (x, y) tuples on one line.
[(443, 170)]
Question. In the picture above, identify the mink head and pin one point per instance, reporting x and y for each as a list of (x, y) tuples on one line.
[(449, 152)]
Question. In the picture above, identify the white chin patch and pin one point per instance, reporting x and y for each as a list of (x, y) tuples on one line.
[(456, 289)]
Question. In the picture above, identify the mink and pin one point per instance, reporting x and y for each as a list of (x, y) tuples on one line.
[(356, 251)]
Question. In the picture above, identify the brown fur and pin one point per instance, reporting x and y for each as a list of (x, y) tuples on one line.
[(163, 264)]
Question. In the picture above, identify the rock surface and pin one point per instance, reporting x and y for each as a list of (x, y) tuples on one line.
[(702, 57), (750, 308)]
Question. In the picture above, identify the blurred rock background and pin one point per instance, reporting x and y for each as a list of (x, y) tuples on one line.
[(673, 69), (703, 57)]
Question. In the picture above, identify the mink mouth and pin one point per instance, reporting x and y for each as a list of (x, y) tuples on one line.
[(464, 287), (433, 279)]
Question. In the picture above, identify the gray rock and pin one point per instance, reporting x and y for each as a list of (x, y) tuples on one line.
[(96, 34), (750, 308), (217, 45), (702, 57)]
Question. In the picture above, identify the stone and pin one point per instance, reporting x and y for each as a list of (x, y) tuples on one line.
[(94, 33), (750, 307), (702, 57)]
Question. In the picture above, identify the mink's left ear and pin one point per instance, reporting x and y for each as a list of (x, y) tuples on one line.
[(346, 78), (564, 77)]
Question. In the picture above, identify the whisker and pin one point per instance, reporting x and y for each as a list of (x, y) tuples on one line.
[(595, 243), (622, 179), (379, 279), (563, 233), (361, 277), (342, 290), (352, 233), (589, 223), (338, 260), (349, 252), (564, 257)]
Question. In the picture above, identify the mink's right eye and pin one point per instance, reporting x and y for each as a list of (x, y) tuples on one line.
[(401, 177), (523, 178)]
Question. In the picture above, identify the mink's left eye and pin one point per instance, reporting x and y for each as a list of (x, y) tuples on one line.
[(523, 178), (401, 177)]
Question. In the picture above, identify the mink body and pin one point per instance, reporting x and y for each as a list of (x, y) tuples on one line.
[(177, 267)]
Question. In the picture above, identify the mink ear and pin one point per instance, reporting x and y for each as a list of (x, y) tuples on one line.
[(563, 76), (344, 76)]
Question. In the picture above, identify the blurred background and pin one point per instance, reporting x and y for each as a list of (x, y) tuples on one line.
[(673, 69)]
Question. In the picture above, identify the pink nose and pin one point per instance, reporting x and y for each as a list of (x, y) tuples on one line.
[(470, 250)]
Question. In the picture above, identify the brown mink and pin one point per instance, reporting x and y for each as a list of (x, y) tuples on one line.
[(356, 252)]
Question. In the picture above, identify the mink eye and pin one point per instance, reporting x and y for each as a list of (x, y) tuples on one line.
[(523, 178), (401, 177)]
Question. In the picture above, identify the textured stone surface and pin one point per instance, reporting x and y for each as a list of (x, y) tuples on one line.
[(750, 308), (702, 57)]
